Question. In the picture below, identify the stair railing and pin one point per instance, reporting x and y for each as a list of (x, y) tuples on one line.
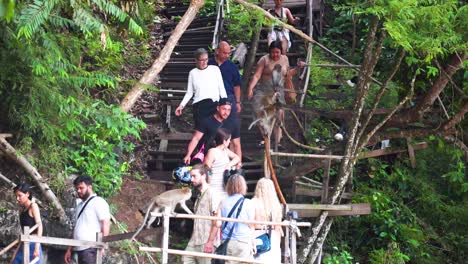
[(310, 12), (219, 24)]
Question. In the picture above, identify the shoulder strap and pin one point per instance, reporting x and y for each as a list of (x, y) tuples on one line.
[(84, 206), (237, 215), (232, 211)]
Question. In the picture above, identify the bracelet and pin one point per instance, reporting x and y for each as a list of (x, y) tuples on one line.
[(238, 102)]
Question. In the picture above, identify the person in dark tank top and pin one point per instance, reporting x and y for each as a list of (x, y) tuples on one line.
[(29, 216)]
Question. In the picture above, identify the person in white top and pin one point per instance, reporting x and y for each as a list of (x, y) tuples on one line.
[(278, 32), (92, 215), (205, 85), (219, 159)]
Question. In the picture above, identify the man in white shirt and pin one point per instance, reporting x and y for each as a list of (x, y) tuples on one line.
[(92, 216)]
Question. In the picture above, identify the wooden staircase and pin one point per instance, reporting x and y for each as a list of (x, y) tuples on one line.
[(170, 147)]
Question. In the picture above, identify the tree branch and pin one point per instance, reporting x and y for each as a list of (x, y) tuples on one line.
[(366, 139), (381, 92), (152, 73), (458, 143), (32, 171), (452, 122), (413, 114)]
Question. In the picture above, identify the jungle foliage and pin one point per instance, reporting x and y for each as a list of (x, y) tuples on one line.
[(418, 214), (62, 67)]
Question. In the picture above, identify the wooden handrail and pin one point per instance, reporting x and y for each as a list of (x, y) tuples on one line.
[(62, 241), (11, 245), (204, 217), (316, 156)]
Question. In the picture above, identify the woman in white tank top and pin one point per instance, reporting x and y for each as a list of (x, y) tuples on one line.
[(219, 159)]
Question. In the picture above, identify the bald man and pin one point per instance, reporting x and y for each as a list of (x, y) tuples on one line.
[(232, 83), (230, 73)]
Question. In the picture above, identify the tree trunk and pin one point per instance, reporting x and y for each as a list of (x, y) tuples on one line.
[(32, 171), (455, 63), (320, 240), (152, 73), (250, 58), (371, 52)]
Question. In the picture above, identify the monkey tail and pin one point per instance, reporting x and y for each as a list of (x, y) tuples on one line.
[(144, 220), (254, 122)]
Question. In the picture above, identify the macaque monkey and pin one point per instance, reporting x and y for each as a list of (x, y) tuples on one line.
[(168, 201), (267, 101)]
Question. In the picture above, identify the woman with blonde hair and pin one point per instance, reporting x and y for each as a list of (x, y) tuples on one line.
[(268, 208)]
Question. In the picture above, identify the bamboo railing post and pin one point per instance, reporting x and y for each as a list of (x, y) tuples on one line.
[(165, 241), (287, 251), (26, 246), (99, 250), (293, 242)]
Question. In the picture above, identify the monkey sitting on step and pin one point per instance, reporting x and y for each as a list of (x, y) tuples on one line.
[(168, 201)]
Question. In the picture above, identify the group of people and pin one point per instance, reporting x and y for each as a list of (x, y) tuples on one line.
[(207, 234), (215, 87), (92, 216)]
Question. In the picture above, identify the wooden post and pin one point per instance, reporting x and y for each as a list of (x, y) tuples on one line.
[(326, 180), (165, 242), (412, 157), (287, 252), (26, 246), (99, 250), (160, 157), (293, 242)]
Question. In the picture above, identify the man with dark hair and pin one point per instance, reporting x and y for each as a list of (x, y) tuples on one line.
[(232, 83), (91, 216), (205, 235), (207, 129)]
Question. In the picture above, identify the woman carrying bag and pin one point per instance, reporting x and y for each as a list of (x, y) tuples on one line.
[(268, 208), (237, 238)]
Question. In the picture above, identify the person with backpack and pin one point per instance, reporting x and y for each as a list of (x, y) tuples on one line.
[(238, 238), (92, 216)]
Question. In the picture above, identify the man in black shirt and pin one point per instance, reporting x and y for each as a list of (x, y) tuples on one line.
[(207, 129)]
